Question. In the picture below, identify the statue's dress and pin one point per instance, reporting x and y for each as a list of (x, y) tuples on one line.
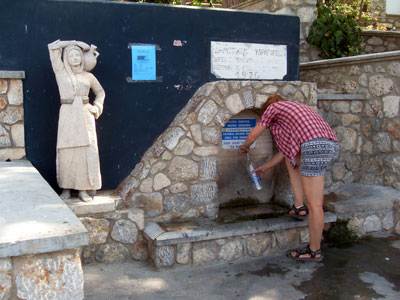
[(78, 165)]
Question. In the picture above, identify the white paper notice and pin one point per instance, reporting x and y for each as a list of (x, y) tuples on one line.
[(248, 61)]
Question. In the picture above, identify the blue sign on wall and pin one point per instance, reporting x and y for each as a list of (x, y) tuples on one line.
[(143, 62), (235, 132)]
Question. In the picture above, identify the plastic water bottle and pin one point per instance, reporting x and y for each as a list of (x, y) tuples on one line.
[(254, 177)]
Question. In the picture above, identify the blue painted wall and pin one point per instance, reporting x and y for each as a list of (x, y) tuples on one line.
[(135, 114)]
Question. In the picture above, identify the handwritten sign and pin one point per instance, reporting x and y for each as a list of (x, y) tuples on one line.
[(143, 62), (235, 132), (248, 61)]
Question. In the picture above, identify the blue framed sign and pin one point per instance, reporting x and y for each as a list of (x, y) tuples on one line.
[(235, 132), (143, 62)]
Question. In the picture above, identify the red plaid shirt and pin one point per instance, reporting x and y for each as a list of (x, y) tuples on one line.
[(293, 123)]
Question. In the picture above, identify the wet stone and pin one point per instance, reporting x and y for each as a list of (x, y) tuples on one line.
[(112, 252), (124, 231), (203, 193)]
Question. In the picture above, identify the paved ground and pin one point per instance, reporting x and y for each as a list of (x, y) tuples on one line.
[(365, 270)]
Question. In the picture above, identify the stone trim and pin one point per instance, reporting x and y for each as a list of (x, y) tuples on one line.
[(341, 97), (364, 58), (12, 74), (381, 33)]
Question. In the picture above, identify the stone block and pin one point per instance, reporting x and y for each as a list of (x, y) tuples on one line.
[(212, 135), (388, 221), (286, 239), (340, 107), (166, 156), (183, 253), (56, 276), (3, 102), (182, 169), (204, 252), (207, 112), (231, 251), (112, 252), (185, 147), (161, 181), (208, 168), (146, 186), (391, 106), (394, 69), (178, 188), (3, 86), (203, 193), (382, 142), (248, 98), (206, 151), (99, 204), (171, 138), (151, 203), (98, 229), (234, 104), (164, 256), (223, 87), (137, 216), (176, 203), (372, 224), (12, 154), (11, 115), (5, 276), (14, 94), (17, 134), (347, 138), (379, 85), (140, 251), (5, 140), (223, 117), (196, 133), (124, 231), (256, 246)]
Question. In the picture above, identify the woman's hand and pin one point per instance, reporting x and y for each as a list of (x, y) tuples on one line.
[(92, 109), (261, 170), (243, 149)]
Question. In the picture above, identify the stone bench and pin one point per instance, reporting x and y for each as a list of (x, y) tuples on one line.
[(369, 209), (227, 242), (39, 238)]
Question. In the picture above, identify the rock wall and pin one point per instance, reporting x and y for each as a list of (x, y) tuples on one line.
[(368, 130), (376, 41), (378, 8), (177, 177), (12, 142)]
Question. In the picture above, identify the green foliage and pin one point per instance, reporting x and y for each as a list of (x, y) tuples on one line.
[(335, 33)]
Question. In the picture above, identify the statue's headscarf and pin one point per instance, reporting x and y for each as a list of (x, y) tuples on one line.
[(67, 65)]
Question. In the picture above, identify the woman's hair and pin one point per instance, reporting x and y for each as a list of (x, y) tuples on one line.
[(271, 99)]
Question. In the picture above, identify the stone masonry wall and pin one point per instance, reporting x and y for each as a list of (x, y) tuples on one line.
[(380, 41), (306, 10), (12, 142), (368, 130), (176, 178), (378, 7)]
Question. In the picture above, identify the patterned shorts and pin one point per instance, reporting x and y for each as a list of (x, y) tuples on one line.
[(316, 155)]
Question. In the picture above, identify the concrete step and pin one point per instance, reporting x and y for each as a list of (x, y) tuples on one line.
[(103, 202)]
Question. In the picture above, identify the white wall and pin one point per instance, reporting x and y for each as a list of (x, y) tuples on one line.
[(393, 7)]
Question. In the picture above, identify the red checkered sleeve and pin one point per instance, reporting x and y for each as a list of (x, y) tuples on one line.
[(292, 124)]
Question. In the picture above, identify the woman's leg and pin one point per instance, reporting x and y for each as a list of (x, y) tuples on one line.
[(296, 184), (314, 191)]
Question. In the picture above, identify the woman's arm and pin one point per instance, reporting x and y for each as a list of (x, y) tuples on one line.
[(253, 135), (100, 95), (276, 159)]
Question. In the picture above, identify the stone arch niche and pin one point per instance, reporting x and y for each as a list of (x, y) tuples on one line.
[(177, 177)]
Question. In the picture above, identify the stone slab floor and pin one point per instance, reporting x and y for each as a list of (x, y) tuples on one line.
[(369, 269)]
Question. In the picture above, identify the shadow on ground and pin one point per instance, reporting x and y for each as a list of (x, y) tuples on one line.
[(368, 269)]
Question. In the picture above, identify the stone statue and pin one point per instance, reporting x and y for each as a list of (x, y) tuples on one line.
[(78, 165)]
